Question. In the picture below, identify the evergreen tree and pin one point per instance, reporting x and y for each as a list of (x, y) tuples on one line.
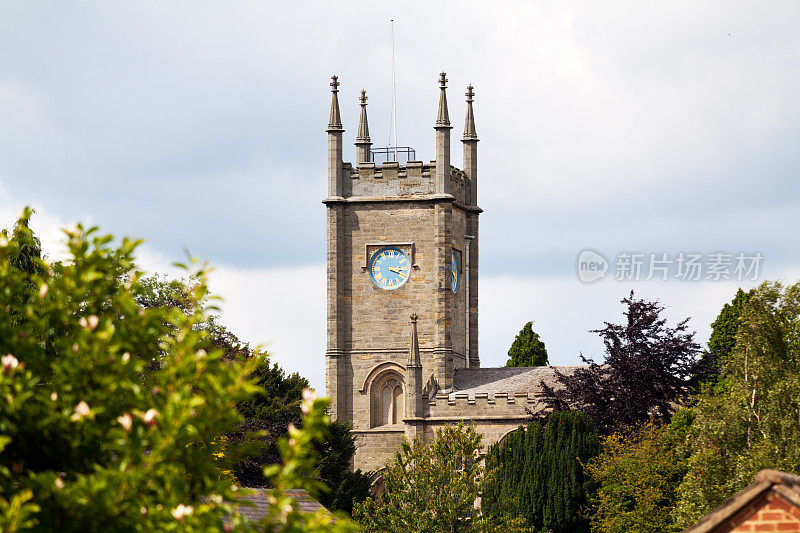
[(527, 349), (343, 488), (538, 473)]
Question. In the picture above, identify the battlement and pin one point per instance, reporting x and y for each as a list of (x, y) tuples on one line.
[(454, 398), (415, 178), (500, 405)]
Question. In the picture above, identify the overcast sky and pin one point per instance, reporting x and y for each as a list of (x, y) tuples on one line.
[(636, 127)]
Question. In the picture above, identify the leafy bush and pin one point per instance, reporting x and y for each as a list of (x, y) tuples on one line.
[(430, 487), (93, 435)]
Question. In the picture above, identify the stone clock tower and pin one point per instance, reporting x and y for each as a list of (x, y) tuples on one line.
[(402, 241)]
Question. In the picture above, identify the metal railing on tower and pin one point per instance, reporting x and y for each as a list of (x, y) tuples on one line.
[(400, 154)]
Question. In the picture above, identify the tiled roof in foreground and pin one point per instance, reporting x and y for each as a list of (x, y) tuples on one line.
[(260, 508), (510, 380), (770, 503)]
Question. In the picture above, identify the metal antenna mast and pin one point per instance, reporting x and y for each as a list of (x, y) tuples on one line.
[(393, 132)]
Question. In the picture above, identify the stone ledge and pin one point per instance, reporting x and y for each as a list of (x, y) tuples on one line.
[(381, 429)]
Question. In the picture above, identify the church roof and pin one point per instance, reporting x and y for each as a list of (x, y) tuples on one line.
[(510, 380)]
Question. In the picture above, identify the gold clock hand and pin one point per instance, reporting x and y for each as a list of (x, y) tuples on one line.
[(395, 270)]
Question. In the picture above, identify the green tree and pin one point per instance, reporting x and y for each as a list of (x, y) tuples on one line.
[(527, 349), (429, 487), (723, 330), (637, 476), (266, 415), (538, 473), (343, 488), (84, 445), (723, 336), (750, 420), (299, 464)]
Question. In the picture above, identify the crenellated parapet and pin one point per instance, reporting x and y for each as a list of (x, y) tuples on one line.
[(391, 179), (500, 405)]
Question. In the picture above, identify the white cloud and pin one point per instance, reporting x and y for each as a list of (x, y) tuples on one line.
[(281, 309), (662, 127)]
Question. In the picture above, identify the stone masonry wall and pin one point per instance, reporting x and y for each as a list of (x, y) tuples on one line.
[(369, 327), (392, 179), (493, 416)]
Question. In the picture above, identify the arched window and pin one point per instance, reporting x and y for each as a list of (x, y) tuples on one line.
[(387, 402)]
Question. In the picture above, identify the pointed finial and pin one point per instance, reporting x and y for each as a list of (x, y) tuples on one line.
[(363, 127), (469, 124), (335, 122), (413, 350), (443, 117)]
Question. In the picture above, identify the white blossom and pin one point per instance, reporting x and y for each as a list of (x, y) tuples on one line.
[(81, 410), (150, 417), (182, 510), (10, 363), (126, 421)]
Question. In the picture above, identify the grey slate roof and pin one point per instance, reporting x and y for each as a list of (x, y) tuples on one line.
[(259, 509), (510, 380)]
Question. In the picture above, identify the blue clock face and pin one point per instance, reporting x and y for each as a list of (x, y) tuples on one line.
[(455, 269), (389, 268)]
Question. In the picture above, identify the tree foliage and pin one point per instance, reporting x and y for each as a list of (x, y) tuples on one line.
[(537, 473), (527, 349), (343, 488), (267, 414), (266, 417), (750, 420), (84, 444), (637, 477), (647, 369), (723, 337), (429, 487)]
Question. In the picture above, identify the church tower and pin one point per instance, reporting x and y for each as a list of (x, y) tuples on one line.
[(402, 277)]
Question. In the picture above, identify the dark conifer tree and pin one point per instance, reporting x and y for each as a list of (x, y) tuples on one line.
[(527, 349), (537, 473)]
